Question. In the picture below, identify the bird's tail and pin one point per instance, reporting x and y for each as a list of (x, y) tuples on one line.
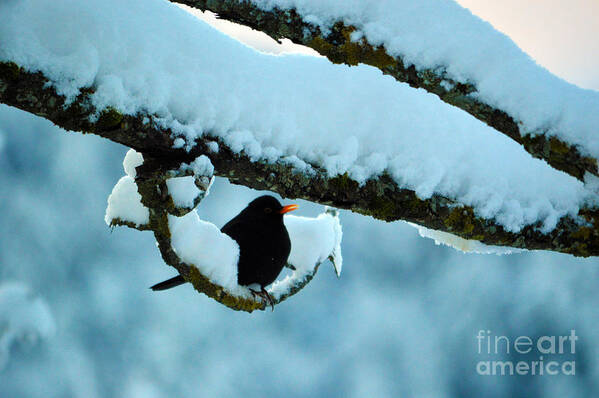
[(167, 284)]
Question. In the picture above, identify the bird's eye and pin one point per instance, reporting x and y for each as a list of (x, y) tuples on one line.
[(268, 210)]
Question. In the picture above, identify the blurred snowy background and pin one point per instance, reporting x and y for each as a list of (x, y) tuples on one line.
[(77, 318)]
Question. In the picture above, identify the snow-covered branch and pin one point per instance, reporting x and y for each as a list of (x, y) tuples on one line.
[(380, 197), (164, 202), (445, 50), (304, 127)]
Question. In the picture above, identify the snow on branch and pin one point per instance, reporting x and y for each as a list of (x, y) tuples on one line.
[(442, 48), (380, 197), (206, 257)]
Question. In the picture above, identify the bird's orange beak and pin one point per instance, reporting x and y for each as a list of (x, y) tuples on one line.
[(288, 208)]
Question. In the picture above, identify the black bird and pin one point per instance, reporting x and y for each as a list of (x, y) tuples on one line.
[(263, 241)]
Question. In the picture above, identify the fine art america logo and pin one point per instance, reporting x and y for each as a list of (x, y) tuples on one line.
[(540, 356)]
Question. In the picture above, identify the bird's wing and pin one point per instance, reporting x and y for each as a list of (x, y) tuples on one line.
[(235, 229)]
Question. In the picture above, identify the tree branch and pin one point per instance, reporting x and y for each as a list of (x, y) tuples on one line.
[(151, 183), (380, 198), (338, 48)]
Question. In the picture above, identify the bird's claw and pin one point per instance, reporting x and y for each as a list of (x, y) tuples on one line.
[(264, 295)]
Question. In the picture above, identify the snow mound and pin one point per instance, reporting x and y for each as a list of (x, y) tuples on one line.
[(313, 240), (124, 203)]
